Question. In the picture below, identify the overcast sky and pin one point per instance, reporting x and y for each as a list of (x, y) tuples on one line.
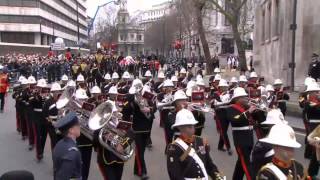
[(133, 5)]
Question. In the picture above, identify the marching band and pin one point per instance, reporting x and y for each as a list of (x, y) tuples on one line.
[(116, 117)]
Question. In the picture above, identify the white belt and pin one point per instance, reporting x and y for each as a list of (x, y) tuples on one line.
[(168, 107), (194, 178), (282, 100), (314, 121), (244, 128), (53, 117), (37, 110), (52, 106)]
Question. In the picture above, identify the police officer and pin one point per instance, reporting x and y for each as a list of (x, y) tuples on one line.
[(262, 153), (67, 161), (283, 166), (188, 156), (314, 67)]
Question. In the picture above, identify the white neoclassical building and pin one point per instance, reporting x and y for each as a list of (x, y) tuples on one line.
[(130, 39)]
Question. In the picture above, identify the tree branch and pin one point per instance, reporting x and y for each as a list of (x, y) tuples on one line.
[(222, 10), (241, 4)]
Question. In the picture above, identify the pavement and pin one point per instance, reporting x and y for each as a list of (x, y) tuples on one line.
[(14, 154)]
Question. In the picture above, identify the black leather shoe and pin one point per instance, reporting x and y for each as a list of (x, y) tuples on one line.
[(144, 177), (30, 147), (221, 149)]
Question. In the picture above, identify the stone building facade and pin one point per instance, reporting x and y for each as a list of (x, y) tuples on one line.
[(273, 38), (130, 39)]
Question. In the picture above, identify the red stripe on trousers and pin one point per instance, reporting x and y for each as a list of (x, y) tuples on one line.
[(243, 163), (138, 162), (221, 131), (102, 172)]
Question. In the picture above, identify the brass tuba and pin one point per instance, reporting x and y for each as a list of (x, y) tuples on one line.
[(114, 131), (67, 103)]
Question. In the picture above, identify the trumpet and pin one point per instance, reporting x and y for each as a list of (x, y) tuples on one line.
[(200, 107), (259, 106)]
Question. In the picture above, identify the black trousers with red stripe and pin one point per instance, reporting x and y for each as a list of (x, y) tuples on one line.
[(222, 127), (18, 121), (139, 163), (243, 165), (30, 125), (23, 123), (54, 137), (40, 131), (111, 171)]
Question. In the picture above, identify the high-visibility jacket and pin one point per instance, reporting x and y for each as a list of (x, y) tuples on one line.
[(3, 83)]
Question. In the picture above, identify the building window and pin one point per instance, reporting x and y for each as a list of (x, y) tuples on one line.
[(17, 37), (139, 37), (268, 25), (122, 37), (228, 9), (276, 21), (263, 16), (132, 36), (227, 46)]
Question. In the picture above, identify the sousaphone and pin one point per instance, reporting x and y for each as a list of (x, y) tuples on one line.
[(112, 134), (65, 97)]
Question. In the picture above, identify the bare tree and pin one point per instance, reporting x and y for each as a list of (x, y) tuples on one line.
[(233, 11), (105, 28)]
